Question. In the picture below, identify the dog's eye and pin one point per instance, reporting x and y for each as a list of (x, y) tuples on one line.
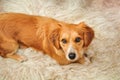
[(64, 41), (77, 39)]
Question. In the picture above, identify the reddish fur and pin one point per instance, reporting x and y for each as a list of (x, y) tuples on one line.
[(40, 33)]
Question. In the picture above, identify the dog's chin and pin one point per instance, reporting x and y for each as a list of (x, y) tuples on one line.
[(72, 61)]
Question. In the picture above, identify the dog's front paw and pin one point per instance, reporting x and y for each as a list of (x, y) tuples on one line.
[(22, 59), (84, 60), (87, 61)]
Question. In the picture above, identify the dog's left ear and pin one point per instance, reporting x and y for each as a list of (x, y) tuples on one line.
[(88, 33), (54, 38)]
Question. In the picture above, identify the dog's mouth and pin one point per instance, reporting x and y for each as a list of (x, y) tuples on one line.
[(74, 58)]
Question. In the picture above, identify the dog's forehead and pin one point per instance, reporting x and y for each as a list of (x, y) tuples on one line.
[(66, 33), (70, 31), (68, 28)]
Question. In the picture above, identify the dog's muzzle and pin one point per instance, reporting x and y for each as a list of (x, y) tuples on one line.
[(72, 54)]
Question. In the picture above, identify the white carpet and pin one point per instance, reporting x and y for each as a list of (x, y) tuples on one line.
[(102, 15)]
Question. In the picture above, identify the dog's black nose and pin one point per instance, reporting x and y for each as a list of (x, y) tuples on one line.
[(72, 55)]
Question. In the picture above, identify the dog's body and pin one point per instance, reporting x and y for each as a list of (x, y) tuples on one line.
[(63, 42)]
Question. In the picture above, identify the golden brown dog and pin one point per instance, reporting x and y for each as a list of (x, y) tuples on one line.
[(62, 41)]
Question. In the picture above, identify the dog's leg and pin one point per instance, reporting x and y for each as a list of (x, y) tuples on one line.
[(16, 57), (8, 49)]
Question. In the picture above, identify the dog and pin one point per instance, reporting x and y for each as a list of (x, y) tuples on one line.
[(64, 42)]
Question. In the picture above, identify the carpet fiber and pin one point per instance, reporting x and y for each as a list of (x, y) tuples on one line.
[(102, 15)]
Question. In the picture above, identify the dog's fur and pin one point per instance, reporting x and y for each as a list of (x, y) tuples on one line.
[(43, 34)]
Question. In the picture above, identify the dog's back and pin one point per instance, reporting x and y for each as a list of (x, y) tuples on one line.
[(20, 27)]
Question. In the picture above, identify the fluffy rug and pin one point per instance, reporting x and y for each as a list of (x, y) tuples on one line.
[(102, 15)]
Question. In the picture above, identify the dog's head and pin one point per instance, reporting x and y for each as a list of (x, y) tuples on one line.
[(72, 39)]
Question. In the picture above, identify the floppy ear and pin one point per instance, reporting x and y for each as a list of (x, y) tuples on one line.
[(88, 34), (54, 38)]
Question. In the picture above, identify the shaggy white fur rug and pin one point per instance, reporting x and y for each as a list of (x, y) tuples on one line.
[(102, 15)]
